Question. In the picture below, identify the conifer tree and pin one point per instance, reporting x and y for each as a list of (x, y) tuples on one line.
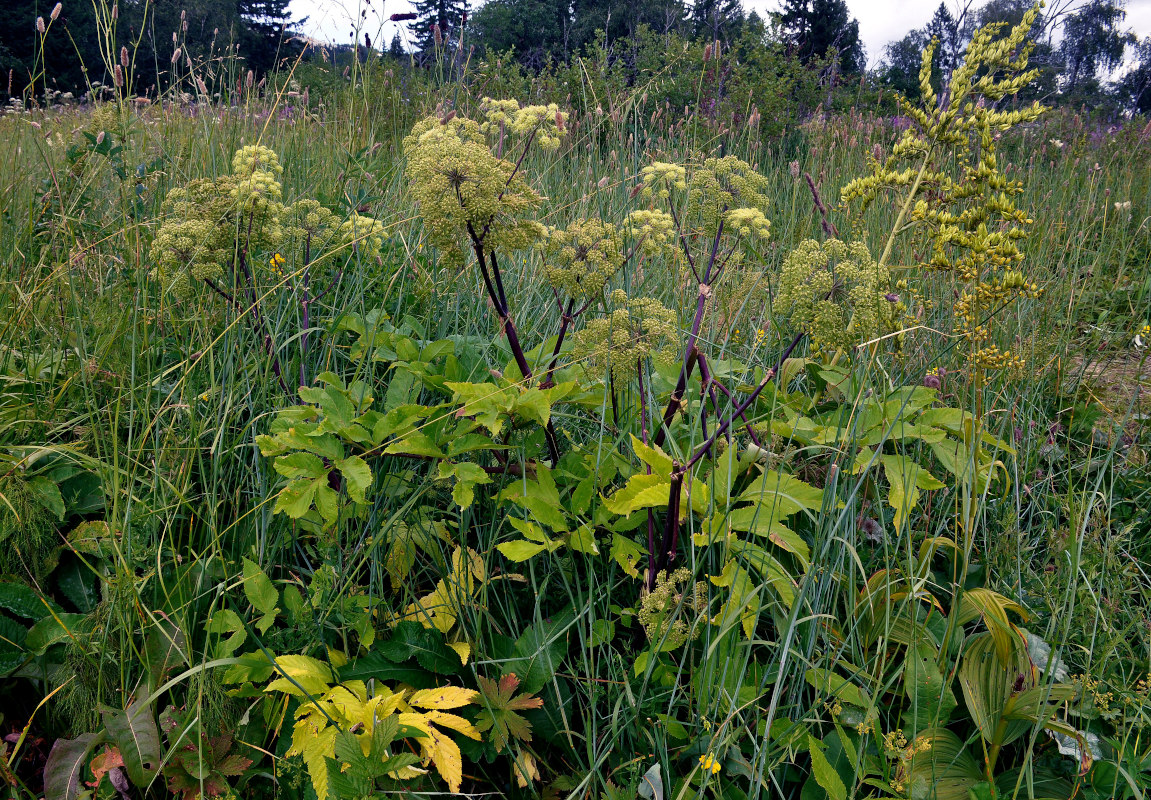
[(813, 27), (449, 16)]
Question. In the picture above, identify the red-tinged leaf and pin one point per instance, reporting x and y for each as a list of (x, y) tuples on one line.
[(104, 762), (233, 765), (500, 707)]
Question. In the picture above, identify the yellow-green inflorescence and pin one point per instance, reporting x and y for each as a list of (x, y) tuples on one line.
[(836, 293), (963, 202), (670, 612), (210, 222), (464, 190), (636, 329), (582, 258)]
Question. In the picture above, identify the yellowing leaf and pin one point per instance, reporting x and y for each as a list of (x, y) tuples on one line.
[(463, 650), (458, 724), (443, 697)]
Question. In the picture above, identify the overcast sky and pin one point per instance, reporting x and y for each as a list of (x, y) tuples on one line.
[(880, 21)]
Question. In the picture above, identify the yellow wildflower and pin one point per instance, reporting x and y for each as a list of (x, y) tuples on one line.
[(710, 762)]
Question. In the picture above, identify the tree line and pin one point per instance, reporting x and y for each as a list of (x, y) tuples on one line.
[(1086, 55)]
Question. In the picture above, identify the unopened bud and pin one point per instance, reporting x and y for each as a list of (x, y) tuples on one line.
[(100, 138), (40, 25), (118, 76), (249, 79), (115, 11), (602, 182), (124, 57), (176, 54), (56, 9)]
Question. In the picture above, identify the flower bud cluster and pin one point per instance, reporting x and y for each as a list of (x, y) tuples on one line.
[(637, 329), (965, 205), (723, 185), (582, 258), (210, 222), (653, 229), (660, 178), (670, 613), (837, 293), (463, 190)]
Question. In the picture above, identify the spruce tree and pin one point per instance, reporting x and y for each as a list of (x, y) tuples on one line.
[(448, 15), (813, 27)]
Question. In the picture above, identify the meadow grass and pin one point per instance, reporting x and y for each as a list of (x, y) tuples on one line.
[(162, 396)]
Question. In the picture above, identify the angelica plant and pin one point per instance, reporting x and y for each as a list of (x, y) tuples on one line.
[(214, 228)]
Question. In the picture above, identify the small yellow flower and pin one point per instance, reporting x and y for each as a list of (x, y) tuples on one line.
[(710, 762)]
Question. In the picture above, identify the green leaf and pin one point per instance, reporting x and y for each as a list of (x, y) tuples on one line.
[(825, 774), (942, 767), (47, 494), (295, 499), (23, 602), (78, 583), (659, 461), (932, 700), (300, 465), (227, 621), (783, 494), (410, 639), (358, 476), (520, 550), (627, 554), (988, 684), (640, 491), (51, 630), (134, 731), (537, 654), (67, 763), (534, 405), (468, 476), (832, 685), (376, 666), (301, 674), (905, 478), (582, 540), (415, 443), (258, 588)]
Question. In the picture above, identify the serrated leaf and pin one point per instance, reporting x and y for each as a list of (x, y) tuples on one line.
[(227, 621), (415, 443), (300, 465), (499, 713), (357, 476), (442, 698), (301, 674), (258, 588), (825, 774)]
